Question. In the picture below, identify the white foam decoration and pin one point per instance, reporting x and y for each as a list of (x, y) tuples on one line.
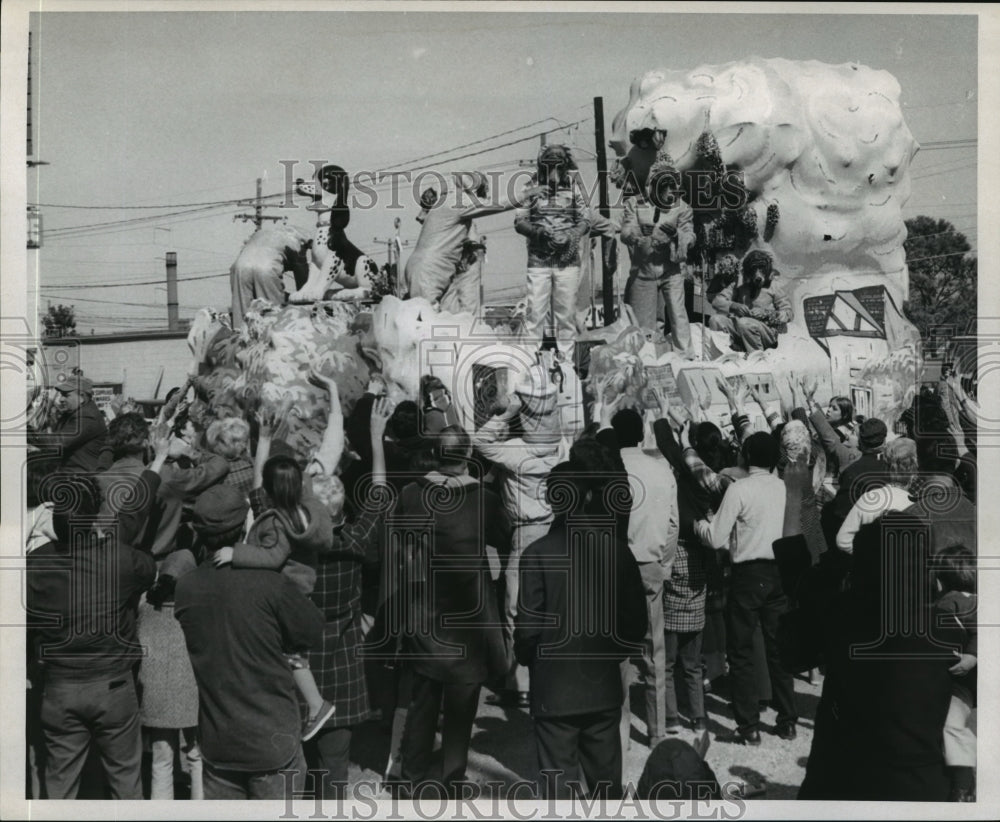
[(827, 143)]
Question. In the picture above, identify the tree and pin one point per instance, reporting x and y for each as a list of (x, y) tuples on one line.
[(943, 279), (60, 321)]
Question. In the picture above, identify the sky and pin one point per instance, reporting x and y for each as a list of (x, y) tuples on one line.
[(162, 109)]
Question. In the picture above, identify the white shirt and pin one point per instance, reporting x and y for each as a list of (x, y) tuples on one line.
[(752, 512), (870, 506), (653, 523)]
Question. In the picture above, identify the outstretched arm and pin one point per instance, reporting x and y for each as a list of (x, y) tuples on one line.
[(332, 446)]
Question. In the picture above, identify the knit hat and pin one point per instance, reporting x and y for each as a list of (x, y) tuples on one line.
[(73, 383), (872, 434), (218, 510)]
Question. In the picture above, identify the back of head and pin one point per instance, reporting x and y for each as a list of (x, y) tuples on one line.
[(404, 424), (283, 482), (128, 435), (675, 770), (871, 434), (452, 449), (901, 461), (955, 569), (708, 441), (218, 515), (629, 428), (593, 468), (229, 437), (760, 451), (75, 499), (796, 444)]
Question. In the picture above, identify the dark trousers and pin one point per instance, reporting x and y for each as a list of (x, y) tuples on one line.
[(459, 702), (589, 743), (330, 750), (756, 599), (105, 712), (223, 784), (684, 648)]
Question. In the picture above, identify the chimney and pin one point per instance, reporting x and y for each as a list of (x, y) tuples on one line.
[(173, 323)]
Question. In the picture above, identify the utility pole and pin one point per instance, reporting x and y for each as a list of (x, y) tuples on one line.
[(258, 216), (394, 249), (608, 276)]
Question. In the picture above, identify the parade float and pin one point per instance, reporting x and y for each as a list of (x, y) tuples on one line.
[(806, 161)]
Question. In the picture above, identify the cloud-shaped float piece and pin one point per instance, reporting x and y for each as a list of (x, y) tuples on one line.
[(827, 144)]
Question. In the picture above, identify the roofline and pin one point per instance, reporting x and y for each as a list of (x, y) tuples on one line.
[(128, 336)]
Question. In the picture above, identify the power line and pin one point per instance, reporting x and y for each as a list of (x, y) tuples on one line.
[(143, 282), (136, 207), (483, 140)]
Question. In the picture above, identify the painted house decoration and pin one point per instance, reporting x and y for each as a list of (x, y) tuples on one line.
[(856, 328)]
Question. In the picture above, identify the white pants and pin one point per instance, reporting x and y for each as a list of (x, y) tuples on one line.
[(552, 299), (960, 735), (164, 747)]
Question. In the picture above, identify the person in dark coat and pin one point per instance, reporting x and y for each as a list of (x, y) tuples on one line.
[(80, 434), (576, 685), (82, 594), (866, 472), (447, 577), (238, 625), (879, 724)]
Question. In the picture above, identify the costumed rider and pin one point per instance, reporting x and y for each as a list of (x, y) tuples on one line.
[(756, 311), (445, 264), (555, 218), (336, 263), (658, 228), (261, 264)]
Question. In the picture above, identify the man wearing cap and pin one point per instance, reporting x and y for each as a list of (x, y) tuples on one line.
[(81, 433), (440, 267), (866, 472), (238, 626)]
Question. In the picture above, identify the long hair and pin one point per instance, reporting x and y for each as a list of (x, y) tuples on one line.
[(846, 409), (283, 483), (708, 442), (758, 259)]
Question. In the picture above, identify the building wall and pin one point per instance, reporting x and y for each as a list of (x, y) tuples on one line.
[(134, 361)]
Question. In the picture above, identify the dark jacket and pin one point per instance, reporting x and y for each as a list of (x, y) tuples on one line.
[(439, 532), (878, 735), (238, 625), (952, 518), (866, 472), (82, 605), (574, 662), (82, 437)]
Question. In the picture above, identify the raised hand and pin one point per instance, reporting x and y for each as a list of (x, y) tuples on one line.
[(381, 412)]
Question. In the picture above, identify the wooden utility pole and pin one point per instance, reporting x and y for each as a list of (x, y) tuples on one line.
[(608, 276), (258, 216)]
